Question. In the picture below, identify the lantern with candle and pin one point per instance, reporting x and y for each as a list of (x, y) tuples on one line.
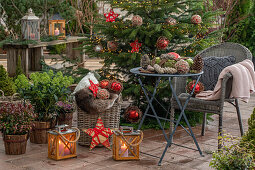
[(30, 26), (126, 143), (57, 26), (62, 142)]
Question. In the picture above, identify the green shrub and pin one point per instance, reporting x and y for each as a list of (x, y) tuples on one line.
[(6, 83), (57, 49), (250, 134), (233, 156), (43, 90)]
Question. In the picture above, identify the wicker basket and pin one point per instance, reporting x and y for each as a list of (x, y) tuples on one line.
[(110, 117)]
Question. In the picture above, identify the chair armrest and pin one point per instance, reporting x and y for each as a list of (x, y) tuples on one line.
[(226, 86)]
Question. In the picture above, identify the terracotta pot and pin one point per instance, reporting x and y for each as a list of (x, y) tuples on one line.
[(39, 130), (65, 118), (15, 144)]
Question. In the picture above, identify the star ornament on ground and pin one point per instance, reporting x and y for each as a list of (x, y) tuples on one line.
[(135, 46), (99, 134), (111, 16)]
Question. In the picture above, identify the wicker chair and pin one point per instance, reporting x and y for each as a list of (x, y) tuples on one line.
[(216, 107)]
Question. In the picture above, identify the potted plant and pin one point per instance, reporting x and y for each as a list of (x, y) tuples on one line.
[(65, 113), (43, 90), (15, 124)]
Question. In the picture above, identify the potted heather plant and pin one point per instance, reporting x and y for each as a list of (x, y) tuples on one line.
[(43, 90), (65, 113), (15, 124)]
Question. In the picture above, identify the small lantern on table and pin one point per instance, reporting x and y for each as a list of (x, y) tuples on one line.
[(30, 26), (126, 144), (62, 142), (57, 26)]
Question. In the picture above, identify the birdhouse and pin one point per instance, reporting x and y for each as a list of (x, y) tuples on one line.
[(62, 142), (126, 143), (57, 26), (30, 26)]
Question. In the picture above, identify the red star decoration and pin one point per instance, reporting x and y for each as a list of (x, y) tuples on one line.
[(110, 17), (99, 134), (94, 88), (135, 46)]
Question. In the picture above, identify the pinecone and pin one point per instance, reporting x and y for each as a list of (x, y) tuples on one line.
[(197, 66)]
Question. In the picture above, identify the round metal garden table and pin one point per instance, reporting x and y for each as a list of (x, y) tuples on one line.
[(150, 97)]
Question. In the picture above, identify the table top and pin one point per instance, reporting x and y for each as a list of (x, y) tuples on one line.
[(136, 71)]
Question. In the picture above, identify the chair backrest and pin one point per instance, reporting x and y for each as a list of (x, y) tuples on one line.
[(239, 51)]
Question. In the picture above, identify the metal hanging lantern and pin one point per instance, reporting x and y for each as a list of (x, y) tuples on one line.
[(126, 143), (62, 142), (57, 26), (30, 26)]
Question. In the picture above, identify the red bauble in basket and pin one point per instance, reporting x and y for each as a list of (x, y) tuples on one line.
[(196, 19), (104, 84), (162, 43), (133, 114), (115, 86), (199, 87)]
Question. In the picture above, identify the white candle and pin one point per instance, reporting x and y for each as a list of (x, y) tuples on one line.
[(56, 31), (122, 149)]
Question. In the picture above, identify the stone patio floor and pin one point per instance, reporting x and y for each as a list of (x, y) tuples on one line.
[(176, 158)]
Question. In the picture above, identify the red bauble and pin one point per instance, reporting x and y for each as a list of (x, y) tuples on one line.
[(162, 43), (176, 56), (196, 19), (104, 84), (110, 17), (133, 114), (197, 88), (116, 86), (137, 20)]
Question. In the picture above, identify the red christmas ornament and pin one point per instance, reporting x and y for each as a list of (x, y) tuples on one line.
[(199, 87), (103, 94), (115, 86), (110, 17), (99, 134), (196, 19), (104, 84), (137, 20), (176, 56), (162, 43), (94, 88), (135, 46), (133, 114)]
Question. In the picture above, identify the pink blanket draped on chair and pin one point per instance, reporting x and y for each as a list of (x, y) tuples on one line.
[(243, 82)]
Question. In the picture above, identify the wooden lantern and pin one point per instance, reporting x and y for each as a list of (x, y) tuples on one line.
[(30, 26), (126, 144), (57, 26), (62, 142)]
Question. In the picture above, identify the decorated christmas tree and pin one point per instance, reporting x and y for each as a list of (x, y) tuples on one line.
[(151, 27)]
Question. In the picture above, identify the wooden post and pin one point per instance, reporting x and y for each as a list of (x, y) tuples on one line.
[(73, 53)]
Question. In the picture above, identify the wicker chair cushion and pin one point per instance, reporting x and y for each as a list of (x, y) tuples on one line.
[(212, 69)]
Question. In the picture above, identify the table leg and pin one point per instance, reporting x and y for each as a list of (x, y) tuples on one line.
[(148, 106), (151, 105), (182, 108)]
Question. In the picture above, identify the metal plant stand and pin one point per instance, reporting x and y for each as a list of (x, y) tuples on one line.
[(150, 97)]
